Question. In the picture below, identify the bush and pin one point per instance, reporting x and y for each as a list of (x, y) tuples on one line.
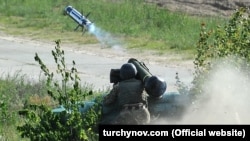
[(42, 124), (229, 41)]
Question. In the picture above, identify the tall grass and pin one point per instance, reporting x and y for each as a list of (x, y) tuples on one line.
[(15, 91), (144, 26)]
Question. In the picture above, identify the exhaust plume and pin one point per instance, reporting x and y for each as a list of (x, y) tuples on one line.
[(105, 38)]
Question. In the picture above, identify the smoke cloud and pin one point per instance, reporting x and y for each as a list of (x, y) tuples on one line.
[(105, 38), (225, 100)]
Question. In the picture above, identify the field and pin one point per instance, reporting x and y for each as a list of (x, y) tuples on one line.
[(163, 27)]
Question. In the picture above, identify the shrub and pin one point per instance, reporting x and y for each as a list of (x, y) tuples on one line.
[(229, 41), (42, 124)]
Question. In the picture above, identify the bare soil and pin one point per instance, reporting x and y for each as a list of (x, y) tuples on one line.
[(202, 7)]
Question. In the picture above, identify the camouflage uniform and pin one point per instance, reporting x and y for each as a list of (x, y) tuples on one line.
[(132, 101)]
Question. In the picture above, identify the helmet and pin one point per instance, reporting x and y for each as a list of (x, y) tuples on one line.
[(155, 86), (128, 71)]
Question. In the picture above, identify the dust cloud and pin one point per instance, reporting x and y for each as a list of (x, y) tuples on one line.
[(226, 97)]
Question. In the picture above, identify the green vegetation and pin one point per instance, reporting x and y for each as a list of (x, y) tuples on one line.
[(41, 124), (14, 92), (146, 27), (26, 107), (230, 43), (140, 25)]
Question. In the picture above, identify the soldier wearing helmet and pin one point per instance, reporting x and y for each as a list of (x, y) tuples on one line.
[(131, 98)]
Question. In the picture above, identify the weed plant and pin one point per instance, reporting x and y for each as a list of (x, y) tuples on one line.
[(26, 106), (15, 90), (228, 41), (42, 124)]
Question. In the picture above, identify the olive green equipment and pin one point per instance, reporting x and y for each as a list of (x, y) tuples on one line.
[(162, 105), (154, 85)]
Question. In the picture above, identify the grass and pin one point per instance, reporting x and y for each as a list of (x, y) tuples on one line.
[(141, 26), (15, 90)]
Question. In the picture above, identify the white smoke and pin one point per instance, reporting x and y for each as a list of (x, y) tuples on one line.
[(225, 100), (106, 39)]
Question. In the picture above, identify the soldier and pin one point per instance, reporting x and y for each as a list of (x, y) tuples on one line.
[(131, 98)]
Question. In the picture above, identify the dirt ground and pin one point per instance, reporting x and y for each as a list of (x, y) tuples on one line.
[(202, 7)]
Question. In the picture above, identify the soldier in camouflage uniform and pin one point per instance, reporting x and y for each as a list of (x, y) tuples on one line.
[(131, 98)]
